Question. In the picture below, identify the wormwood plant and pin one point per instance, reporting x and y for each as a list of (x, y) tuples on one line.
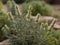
[(24, 30), (38, 7)]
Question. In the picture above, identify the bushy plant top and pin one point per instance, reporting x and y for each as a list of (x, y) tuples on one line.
[(24, 30)]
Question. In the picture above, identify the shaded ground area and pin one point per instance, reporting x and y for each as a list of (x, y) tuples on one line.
[(6, 42), (57, 7)]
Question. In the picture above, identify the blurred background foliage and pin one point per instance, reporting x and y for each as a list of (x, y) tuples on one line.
[(38, 7), (21, 1)]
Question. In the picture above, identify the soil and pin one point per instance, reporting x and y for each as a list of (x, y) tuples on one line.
[(5, 42), (2, 39)]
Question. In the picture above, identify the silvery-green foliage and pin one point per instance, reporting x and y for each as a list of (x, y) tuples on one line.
[(24, 30)]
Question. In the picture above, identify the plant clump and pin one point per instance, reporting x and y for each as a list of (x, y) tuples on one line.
[(38, 7), (24, 30)]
